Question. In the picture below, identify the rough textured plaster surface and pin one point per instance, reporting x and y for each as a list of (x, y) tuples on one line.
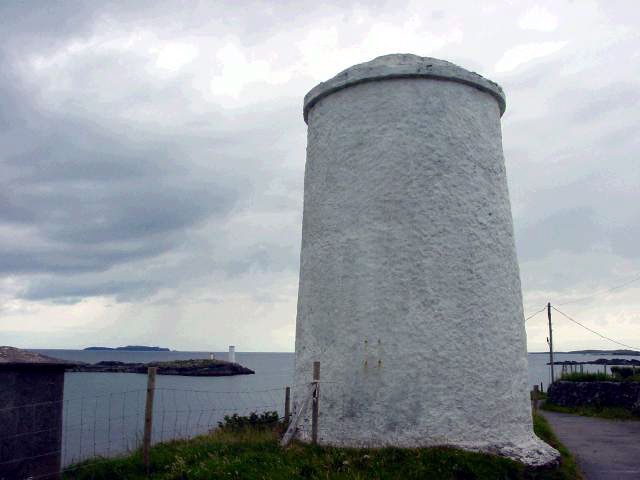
[(402, 66), (409, 285)]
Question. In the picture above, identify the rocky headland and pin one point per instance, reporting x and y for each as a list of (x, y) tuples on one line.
[(193, 368), (600, 361)]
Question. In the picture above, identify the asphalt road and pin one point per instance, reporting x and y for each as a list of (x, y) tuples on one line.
[(604, 449)]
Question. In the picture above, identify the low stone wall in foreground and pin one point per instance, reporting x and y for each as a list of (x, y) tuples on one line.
[(605, 394)]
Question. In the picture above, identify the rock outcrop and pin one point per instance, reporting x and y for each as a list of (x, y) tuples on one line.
[(193, 368)]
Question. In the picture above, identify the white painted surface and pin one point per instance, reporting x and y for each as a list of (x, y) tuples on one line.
[(232, 354), (409, 284)]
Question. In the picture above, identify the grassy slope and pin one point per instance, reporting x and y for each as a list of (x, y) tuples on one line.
[(254, 454), (568, 468), (610, 413)]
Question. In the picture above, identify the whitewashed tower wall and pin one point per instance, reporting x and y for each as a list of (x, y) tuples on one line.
[(409, 284)]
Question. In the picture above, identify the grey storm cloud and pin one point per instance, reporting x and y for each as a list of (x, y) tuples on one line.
[(123, 290), (96, 199), (574, 172), (612, 98), (94, 194), (573, 230)]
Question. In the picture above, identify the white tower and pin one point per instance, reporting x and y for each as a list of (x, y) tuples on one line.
[(409, 284), (232, 354)]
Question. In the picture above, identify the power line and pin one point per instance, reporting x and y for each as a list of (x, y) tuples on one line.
[(593, 331), (534, 314), (601, 292)]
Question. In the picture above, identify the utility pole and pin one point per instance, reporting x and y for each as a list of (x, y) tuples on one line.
[(550, 341)]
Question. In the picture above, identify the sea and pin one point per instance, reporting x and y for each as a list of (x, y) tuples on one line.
[(103, 413)]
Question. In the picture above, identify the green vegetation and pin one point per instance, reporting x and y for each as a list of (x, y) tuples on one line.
[(627, 374), (586, 377), (538, 395), (611, 413), (264, 421), (619, 374), (568, 468), (247, 448)]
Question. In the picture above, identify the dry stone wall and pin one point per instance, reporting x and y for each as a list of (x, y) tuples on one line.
[(600, 394)]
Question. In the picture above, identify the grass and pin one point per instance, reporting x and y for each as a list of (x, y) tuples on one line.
[(254, 453), (538, 395), (598, 377), (568, 468), (610, 413), (626, 373), (587, 377)]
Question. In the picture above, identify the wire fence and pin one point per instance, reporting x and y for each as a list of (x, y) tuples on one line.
[(39, 440)]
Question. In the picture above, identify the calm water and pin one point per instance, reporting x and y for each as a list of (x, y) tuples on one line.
[(539, 370), (104, 412)]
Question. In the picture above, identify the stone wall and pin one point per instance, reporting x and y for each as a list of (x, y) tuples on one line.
[(30, 422), (609, 394)]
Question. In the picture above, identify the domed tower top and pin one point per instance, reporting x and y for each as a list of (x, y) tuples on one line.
[(402, 65)]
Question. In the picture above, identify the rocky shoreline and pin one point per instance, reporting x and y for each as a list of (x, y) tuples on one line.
[(600, 361), (192, 368)]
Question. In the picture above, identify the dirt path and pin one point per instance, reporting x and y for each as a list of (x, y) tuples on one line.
[(604, 449)]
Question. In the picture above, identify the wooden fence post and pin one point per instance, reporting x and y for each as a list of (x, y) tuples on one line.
[(148, 414), (287, 404), (532, 395), (293, 424), (315, 405)]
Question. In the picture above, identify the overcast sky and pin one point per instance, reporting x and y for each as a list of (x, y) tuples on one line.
[(152, 159)]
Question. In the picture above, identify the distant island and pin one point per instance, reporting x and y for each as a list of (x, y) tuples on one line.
[(132, 348), (608, 352), (596, 352)]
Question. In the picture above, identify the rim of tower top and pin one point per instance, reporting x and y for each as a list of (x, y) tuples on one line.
[(402, 65)]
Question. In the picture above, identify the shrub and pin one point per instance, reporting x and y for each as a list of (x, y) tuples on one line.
[(618, 374), (625, 373), (587, 377), (253, 421)]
